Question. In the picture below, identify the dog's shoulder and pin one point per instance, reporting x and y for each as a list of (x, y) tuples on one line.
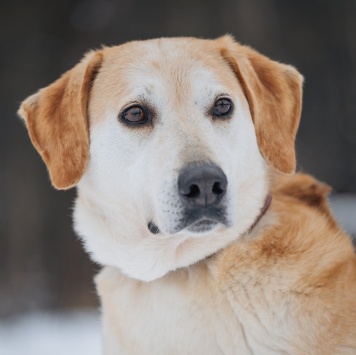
[(299, 264)]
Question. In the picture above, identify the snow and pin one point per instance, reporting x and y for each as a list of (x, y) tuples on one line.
[(51, 334)]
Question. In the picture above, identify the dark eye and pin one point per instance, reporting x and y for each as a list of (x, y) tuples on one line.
[(222, 107), (134, 115)]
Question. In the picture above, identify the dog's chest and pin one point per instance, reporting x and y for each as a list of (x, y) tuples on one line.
[(178, 315)]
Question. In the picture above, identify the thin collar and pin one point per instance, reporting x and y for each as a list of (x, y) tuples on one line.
[(264, 209)]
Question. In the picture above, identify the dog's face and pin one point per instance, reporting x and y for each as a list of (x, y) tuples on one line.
[(174, 169), (168, 116)]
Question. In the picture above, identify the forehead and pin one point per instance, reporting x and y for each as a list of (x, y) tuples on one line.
[(165, 69)]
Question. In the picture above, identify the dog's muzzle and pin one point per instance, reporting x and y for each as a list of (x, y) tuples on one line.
[(201, 189)]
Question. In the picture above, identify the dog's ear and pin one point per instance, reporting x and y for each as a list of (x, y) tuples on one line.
[(274, 93), (57, 122)]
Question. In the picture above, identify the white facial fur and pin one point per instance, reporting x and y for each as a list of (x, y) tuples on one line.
[(132, 175)]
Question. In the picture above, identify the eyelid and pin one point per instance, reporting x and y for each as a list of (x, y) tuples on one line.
[(222, 96), (142, 103), (131, 104)]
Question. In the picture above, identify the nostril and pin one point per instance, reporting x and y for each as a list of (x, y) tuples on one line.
[(194, 191), (218, 189), (201, 185)]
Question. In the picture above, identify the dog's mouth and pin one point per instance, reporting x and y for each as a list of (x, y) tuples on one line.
[(203, 225), (196, 221), (203, 220)]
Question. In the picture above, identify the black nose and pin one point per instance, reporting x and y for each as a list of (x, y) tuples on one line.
[(201, 185)]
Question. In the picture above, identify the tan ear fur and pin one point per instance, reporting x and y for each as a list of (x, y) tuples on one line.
[(274, 94), (56, 119)]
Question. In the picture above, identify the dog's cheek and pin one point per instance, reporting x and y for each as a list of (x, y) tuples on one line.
[(113, 154), (246, 171)]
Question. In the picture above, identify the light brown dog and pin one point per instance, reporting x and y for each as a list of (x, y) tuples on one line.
[(176, 146)]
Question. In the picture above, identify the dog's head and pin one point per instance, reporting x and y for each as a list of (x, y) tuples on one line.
[(169, 142)]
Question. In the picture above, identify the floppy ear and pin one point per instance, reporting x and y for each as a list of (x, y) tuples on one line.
[(274, 93), (56, 119)]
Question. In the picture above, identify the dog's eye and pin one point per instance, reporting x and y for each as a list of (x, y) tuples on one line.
[(222, 107), (134, 115)]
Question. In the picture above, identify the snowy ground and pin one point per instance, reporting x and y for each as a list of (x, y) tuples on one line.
[(75, 333), (79, 332)]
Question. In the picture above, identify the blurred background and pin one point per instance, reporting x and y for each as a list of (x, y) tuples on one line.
[(45, 277)]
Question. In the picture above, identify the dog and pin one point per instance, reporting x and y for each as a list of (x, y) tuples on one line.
[(182, 152)]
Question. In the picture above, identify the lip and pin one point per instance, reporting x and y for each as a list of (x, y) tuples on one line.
[(198, 221), (202, 225)]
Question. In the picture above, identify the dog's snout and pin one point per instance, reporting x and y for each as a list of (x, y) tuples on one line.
[(201, 185)]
